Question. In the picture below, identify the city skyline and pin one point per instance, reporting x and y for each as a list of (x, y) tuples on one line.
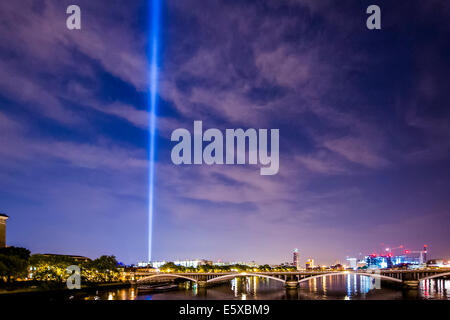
[(363, 119), (297, 258)]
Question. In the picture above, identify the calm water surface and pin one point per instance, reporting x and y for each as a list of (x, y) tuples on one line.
[(336, 287)]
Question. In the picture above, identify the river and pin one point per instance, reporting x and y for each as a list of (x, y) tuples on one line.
[(336, 287)]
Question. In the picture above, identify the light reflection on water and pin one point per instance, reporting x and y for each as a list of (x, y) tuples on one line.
[(335, 287), (340, 287), (435, 289)]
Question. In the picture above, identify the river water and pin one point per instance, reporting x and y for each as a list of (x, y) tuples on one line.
[(336, 287)]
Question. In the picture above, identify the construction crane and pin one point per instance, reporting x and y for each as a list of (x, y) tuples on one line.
[(423, 254), (390, 251)]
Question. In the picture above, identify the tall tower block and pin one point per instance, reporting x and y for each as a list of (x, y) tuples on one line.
[(3, 218), (296, 259)]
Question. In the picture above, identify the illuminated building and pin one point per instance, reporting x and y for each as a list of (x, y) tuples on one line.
[(184, 263), (309, 264), (192, 263), (284, 264), (3, 218), (424, 254), (352, 263), (378, 262), (75, 258), (242, 263), (386, 261), (361, 264), (296, 259), (411, 258), (438, 263)]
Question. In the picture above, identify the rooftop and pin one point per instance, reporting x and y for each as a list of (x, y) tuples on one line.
[(64, 255)]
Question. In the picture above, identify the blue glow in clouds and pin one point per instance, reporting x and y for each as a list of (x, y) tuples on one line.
[(155, 13)]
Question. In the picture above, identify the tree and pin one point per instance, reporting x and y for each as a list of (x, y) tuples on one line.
[(104, 263), (50, 267), (19, 252), (169, 266), (265, 267), (60, 260), (13, 262), (101, 269)]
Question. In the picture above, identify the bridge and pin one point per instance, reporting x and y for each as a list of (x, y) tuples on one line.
[(406, 278)]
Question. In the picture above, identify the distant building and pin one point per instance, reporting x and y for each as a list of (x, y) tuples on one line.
[(296, 259), (361, 264), (337, 267), (143, 264), (309, 264), (185, 263), (140, 269), (225, 263), (244, 263), (286, 264), (192, 263), (410, 258), (352, 263), (378, 262), (76, 258), (424, 255), (3, 218), (438, 263)]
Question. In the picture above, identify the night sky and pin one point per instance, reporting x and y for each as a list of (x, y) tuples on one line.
[(364, 119)]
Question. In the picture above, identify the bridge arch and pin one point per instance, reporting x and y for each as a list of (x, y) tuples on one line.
[(234, 275), (165, 275), (373, 275), (438, 275)]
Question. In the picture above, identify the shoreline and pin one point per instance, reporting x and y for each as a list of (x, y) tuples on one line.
[(84, 288)]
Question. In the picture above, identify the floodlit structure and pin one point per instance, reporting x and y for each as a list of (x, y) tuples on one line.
[(309, 264), (3, 218), (296, 259), (352, 263)]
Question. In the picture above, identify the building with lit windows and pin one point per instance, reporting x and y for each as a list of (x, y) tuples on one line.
[(3, 218), (388, 261), (352, 263), (296, 259), (66, 256), (242, 263), (309, 264), (184, 263)]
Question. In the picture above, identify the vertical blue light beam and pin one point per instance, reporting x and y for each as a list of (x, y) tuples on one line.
[(155, 13)]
